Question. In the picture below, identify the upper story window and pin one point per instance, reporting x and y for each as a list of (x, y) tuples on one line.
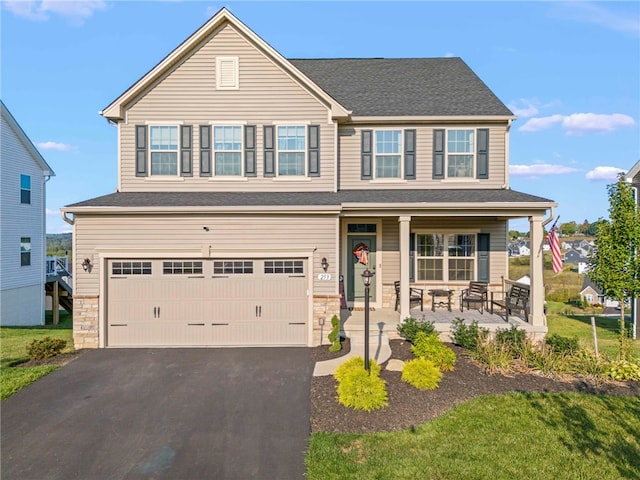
[(227, 145), (227, 77), (291, 150), (388, 153), (25, 189), (163, 146), (25, 251), (460, 153), (445, 257)]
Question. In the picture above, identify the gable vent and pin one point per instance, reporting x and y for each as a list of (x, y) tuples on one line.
[(227, 73)]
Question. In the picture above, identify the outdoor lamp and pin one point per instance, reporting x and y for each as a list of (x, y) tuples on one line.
[(324, 263), (86, 265), (367, 275)]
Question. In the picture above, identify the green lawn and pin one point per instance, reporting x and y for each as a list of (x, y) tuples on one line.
[(13, 349), (573, 325), (541, 436)]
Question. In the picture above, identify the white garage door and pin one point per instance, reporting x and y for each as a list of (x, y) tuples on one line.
[(179, 302)]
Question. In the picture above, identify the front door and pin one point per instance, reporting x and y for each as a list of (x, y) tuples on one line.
[(355, 286)]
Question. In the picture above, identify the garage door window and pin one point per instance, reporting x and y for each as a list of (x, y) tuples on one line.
[(181, 268), (283, 266), (131, 268), (232, 267)]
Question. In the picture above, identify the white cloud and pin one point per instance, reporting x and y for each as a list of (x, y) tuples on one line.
[(523, 107), (539, 169), (63, 147), (579, 123), (604, 173), (74, 10), (449, 55), (52, 213), (540, 123), (589, 12)]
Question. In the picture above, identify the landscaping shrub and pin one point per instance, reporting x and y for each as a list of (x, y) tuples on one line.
[(410, 327), (355, 363), (45, 347), (422, 374), (549, 361), (430, 347), (468, 336), (559, 344), (623, 370), (585, 362), (495, 357), (513, 339), (334, 335), (359, 389)]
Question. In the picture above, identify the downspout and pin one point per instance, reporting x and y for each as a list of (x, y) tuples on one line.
[(70, 221), (43, 249)]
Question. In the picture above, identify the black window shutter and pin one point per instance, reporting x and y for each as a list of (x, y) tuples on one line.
[(410, 154), (250, 151), (367, 155), (186, 168), (269, 151), (205, 150), (438, 153), (412, 257), (141, 150), (483, 257), (314, 150), (483, 153)]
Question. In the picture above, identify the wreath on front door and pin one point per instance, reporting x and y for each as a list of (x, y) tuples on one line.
[(361, 252)]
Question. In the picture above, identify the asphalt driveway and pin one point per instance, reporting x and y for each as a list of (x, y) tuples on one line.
[(163, 413)]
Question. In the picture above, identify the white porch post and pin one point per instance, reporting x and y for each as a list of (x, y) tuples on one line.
[(536, 302), (404, 267)]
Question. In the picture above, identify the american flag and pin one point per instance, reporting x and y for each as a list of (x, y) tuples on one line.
[(554, 244)]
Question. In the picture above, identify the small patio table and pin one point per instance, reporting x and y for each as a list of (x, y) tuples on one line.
[(440, 293)]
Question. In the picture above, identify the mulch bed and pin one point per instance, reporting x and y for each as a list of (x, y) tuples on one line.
[(58, 360), (409, 406)]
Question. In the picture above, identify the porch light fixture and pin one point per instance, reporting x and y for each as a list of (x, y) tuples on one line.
[(86, 265), (367, 275), (325, 264)]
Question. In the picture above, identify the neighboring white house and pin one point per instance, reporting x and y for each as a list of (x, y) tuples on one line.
[(23, 175)]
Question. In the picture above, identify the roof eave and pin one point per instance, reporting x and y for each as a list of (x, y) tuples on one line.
[(244, 209), (431, 118)]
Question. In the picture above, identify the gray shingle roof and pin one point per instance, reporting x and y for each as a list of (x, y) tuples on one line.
[(403, 86), (248, 199)]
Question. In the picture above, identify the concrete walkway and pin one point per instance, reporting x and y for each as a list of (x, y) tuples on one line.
[(379, 350)]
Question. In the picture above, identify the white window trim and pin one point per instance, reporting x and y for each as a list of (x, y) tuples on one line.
[(377, 179), (236, 66), (213, 151), (445, 257), (474, 154), (158, 177), (277, 150)]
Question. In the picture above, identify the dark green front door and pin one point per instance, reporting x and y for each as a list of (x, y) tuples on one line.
[(355, 286)]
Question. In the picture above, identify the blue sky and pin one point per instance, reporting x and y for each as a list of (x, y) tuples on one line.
[(569, 71)]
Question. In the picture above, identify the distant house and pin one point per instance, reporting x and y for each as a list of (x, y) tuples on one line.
[(594, 296), (633, 176), (24, 174), (578, 258)]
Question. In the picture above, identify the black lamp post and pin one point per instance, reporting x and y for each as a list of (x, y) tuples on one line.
[(367, 275)]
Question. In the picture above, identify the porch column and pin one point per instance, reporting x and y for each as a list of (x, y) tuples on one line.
[(536, 302), (405, 310)]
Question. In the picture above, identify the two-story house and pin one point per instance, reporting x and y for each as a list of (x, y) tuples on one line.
[(23, 177), (250, 184)]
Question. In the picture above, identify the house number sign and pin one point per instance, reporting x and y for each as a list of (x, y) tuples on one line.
[(324, 276)]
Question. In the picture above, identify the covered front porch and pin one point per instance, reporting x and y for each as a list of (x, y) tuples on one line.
[(384, 321)]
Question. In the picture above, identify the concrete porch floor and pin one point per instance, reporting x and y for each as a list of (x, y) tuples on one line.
[(386, 320)]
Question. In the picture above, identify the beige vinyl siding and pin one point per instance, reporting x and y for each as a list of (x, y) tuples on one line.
[(266, 96), (350, 139), (251, 236), (497, 229)]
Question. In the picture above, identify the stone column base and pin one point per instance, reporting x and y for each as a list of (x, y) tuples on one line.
[(85, 321)]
